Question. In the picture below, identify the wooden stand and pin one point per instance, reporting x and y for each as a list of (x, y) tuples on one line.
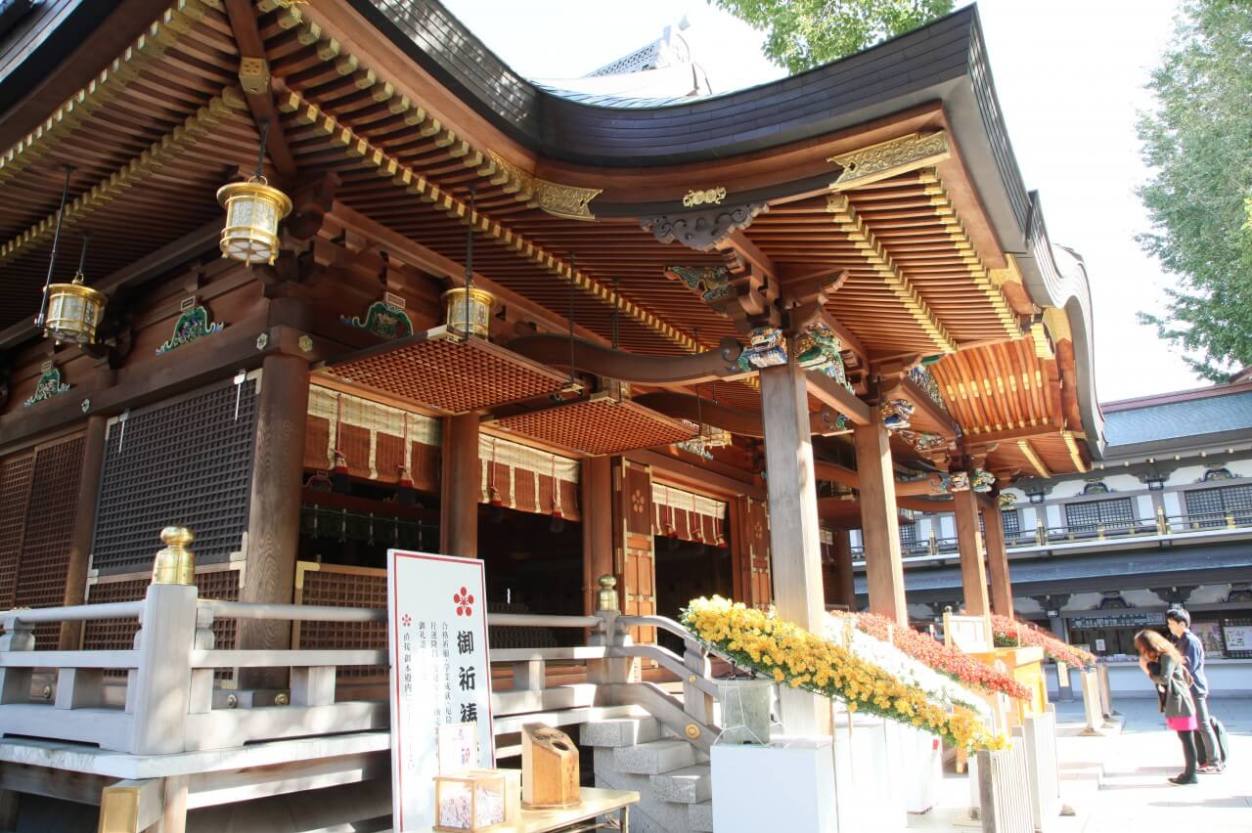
[(549, 768), (1024, 664)]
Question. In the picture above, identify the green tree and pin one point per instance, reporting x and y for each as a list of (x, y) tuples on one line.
[(804, 33), (1198, 140)]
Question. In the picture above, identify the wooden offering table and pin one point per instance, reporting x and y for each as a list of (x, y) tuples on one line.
[(595, 803)]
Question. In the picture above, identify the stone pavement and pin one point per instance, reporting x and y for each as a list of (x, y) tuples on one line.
[(1116, 783), (1135, 795)]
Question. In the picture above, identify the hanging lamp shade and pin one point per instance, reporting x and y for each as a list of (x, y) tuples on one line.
[(253, 212), (468, 315), (74, 312)]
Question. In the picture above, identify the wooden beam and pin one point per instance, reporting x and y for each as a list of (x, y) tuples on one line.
[(702, 477), (597, 523), (827, 391), (1012, 435), (1028, 451), (558, 350), (84, 526), (969, 542), (880, 526), (844, 590), (734, 420), (254, 76), (933, 416)]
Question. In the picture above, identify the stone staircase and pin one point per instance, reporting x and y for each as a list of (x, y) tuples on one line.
[(671, 776)]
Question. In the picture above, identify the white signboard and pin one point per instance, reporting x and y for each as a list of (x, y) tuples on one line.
[(1238, 637), (437, 633)]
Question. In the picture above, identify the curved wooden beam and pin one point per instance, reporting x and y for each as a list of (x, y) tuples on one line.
[(556, 350), (734, 420)]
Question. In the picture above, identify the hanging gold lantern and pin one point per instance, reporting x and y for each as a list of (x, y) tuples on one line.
[(253, 211), (468, 309), (74, 311)]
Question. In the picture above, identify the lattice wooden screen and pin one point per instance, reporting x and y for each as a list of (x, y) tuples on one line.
[(119, 634), (185, 462), (374, 441), (38, 505), (342, 586), (677, 513), (522, 478)]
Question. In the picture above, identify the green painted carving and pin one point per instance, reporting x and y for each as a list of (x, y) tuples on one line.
[(712, 282), (48, 386), (383, 320), (192, 324)]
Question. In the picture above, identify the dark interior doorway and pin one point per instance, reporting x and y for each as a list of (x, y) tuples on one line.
[(686, 570), (355, 522), (534, 565)]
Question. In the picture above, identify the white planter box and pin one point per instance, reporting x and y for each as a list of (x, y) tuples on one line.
[(789, 784), (867, 789), (917, 764)]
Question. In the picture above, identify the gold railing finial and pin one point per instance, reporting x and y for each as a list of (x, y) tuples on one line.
[(608, 593), (175, 564)]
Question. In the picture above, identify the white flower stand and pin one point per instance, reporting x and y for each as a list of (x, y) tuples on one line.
[(789, 784), (917, 763), (868, 790)]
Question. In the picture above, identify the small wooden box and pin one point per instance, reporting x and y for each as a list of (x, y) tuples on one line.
[(471, 801), (549, 768)]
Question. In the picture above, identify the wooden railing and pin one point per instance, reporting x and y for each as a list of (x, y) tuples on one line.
[(171, 703)]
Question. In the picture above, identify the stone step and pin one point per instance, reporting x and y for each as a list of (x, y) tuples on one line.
[(651, 815), (689, 785), (654, 757), (618, 732), (700, 817)]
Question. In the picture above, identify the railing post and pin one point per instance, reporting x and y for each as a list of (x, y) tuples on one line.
[(15, 682), (160, 690), (200, 698), (613, 669), (1041, 533), (697, 704)]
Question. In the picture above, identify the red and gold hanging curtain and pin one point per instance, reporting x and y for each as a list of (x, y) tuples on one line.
[(528, 479), (688, 516), (371, 441)]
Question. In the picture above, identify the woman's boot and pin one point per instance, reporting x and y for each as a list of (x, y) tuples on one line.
[(1187, 776)]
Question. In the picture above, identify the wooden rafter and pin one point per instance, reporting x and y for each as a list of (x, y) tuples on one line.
[(159, 154), (846, 219), (1028, 451), (977, 271), (403, 177)]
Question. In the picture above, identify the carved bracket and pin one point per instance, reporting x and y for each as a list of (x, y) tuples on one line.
[(702, 230)]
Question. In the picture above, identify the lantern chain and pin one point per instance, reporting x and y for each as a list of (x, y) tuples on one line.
[(42, 317)]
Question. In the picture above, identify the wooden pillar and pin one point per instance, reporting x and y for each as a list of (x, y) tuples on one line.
[(997, 561), (794, 532), (880, 521), (84, 526), (597, 515), (461, 487), (274, 508), (969, 541), (844, 586)]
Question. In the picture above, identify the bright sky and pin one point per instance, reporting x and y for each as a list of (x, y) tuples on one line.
[(1069, 75)]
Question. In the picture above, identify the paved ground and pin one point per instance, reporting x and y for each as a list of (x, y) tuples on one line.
[(1117, 783), (1135, 795)]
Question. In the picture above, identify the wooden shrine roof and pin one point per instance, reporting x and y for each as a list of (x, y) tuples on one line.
[(430, 134)]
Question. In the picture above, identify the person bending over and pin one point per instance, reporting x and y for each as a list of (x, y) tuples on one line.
[(1161, 661), (1192, 650)]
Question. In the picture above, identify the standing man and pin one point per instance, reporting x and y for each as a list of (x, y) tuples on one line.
[(1192, 650)]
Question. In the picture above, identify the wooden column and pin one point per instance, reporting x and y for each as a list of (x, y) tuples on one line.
[(880, 521), (461, 487), (597, 514), (845, 588), (274, 508), (794, 532), (84, 526), (969, 541), (997, 561)]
